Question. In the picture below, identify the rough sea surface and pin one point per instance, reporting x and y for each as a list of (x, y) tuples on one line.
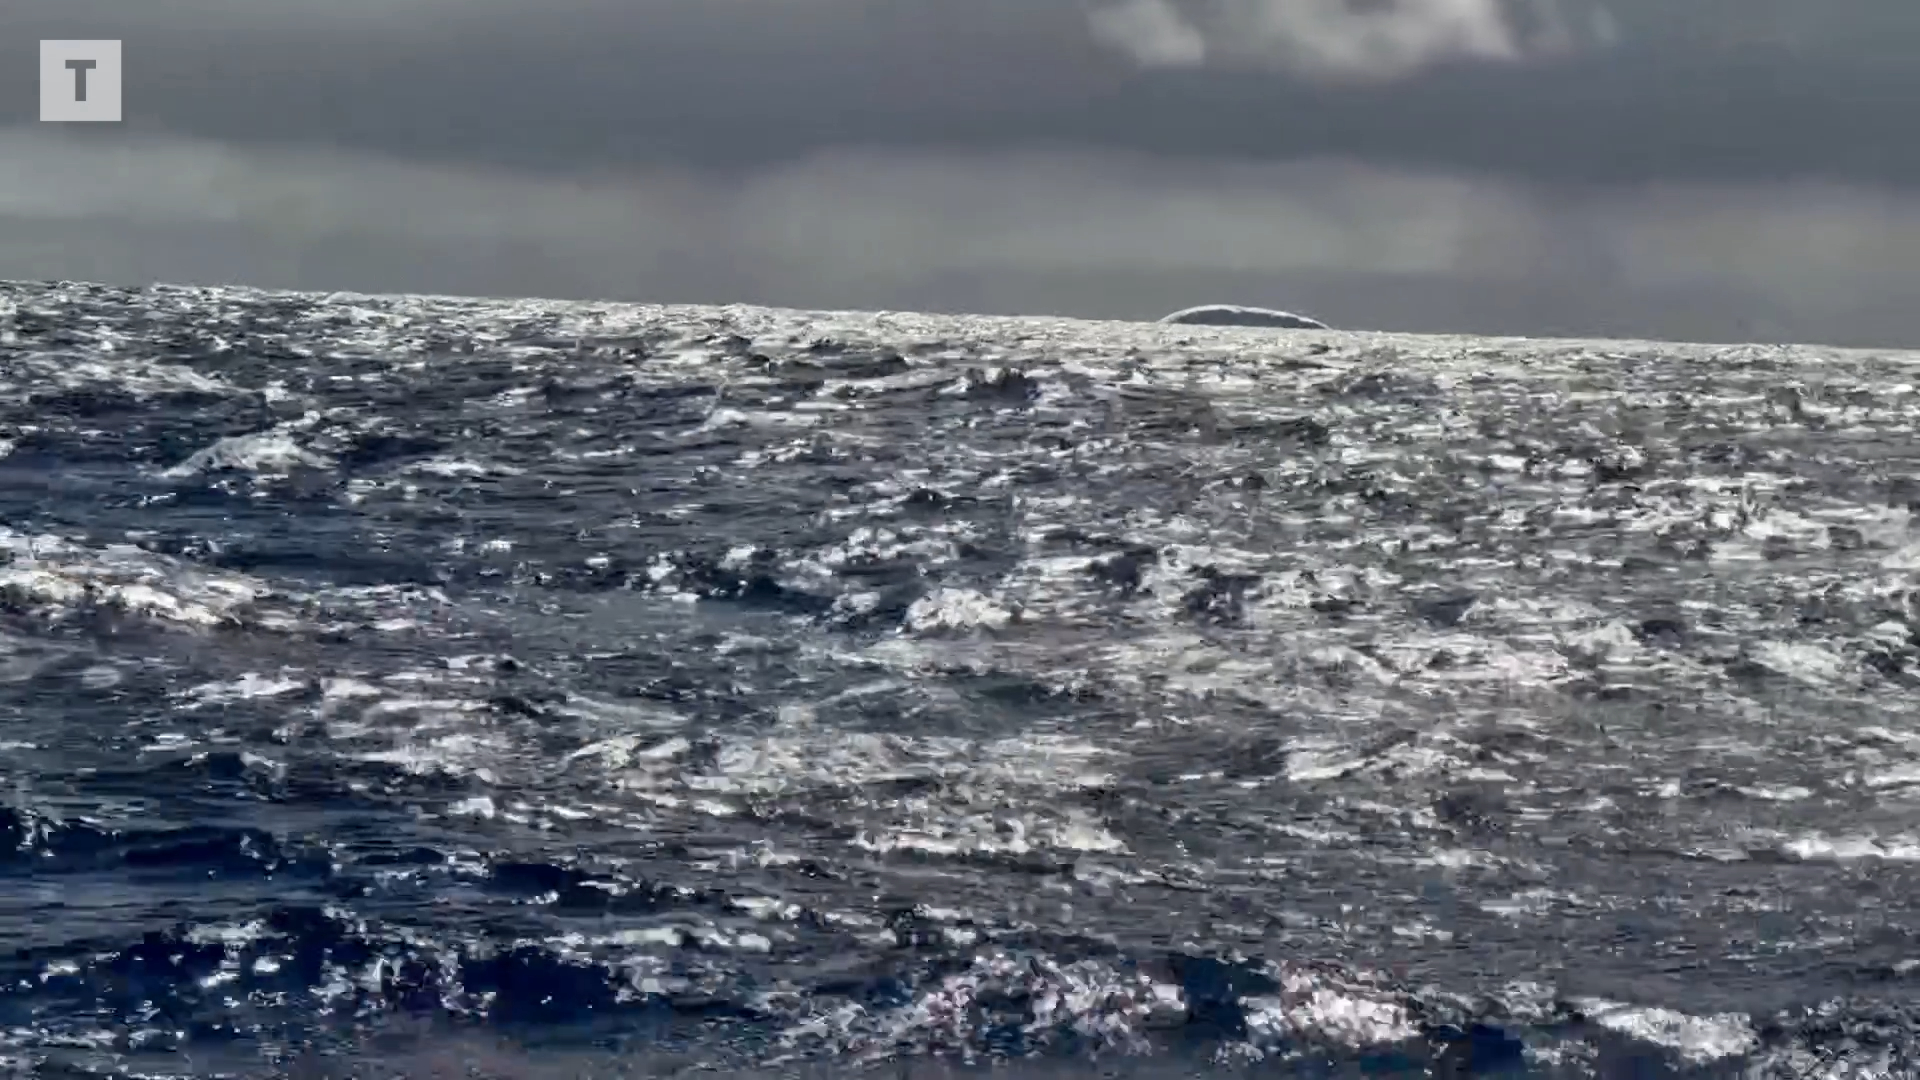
[(408, 686)]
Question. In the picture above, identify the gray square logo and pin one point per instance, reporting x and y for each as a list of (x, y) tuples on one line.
[(79, 81)]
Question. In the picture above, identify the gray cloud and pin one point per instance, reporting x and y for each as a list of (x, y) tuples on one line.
[(1706, 89), (1707, 169), (1370, 40), (1088, 233)]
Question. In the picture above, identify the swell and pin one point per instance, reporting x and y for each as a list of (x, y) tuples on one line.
[(770, 690)]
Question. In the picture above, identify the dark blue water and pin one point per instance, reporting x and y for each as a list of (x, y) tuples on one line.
[(418, 687)]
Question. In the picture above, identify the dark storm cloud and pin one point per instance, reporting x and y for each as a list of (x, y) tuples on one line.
[(1080, 233), (1715, 169), (1568, 90)]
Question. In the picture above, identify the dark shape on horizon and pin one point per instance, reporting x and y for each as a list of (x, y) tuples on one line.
[(1238, 315)]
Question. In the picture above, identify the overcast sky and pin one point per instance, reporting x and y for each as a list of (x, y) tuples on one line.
[(1708, 169)]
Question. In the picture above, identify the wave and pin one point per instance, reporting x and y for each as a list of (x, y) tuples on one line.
[(1237, 315)]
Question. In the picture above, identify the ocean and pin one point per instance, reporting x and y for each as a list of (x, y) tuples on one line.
[(415, 686)]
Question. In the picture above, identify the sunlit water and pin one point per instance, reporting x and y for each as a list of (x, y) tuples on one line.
[(398, 685)]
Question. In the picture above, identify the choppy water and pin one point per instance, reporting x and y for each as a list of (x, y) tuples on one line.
[(393, 682)]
